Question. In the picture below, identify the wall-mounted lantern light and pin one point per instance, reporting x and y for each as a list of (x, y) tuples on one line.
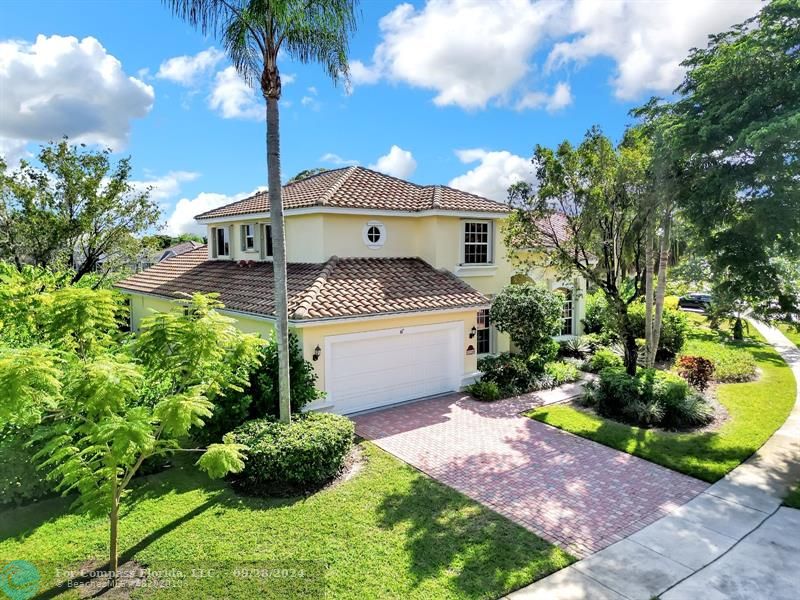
[(473, 332), (317, 352)]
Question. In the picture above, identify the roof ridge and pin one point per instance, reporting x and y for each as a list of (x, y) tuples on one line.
[(337, 186), (303, 307), (437, 197)]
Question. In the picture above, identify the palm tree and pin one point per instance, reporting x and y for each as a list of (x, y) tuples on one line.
[(253, 33)]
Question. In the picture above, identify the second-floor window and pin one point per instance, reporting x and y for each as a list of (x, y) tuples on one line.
[(248, 237), (266, 246), (477, 242), (222, 245)]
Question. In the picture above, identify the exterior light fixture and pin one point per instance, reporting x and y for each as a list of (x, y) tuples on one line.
[(473, 332), (317, 352)]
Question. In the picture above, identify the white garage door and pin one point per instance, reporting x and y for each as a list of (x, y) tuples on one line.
[(377, 368)]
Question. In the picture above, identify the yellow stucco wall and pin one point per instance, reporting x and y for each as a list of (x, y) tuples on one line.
[(142, 306)]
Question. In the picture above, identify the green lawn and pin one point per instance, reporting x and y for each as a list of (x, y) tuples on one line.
[(390, 532), (756, 410), (790, 332)]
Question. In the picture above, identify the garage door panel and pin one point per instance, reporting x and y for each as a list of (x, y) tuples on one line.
[(386, 367)]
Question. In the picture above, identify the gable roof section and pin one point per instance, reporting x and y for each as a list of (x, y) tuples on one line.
[(365, 189), (337, 289)]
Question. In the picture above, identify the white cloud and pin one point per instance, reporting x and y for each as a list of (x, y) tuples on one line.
[(288, 78), (495, 173), (397, 163), (166, 186), (475, 52), (233, 98), (648, 40), (64, 86), (185, 70), (468, 51), (182, 218), (560, 98), (12, 151), (335, 159), (362, 74)]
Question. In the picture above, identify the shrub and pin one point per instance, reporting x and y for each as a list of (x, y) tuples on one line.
[(731, 364), (529, 314), (547, 352), (602, 359), (649, 398), (302, 455), (674, 327), (562, 372), (484, 390), (20, 481), (260, 398), (597, 312), (508, 371), (697, 370)]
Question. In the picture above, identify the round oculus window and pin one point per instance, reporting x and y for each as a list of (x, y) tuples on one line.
[(374, 234)]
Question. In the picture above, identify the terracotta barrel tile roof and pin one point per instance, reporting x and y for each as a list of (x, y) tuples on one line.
[(361, 188), (338, 288)]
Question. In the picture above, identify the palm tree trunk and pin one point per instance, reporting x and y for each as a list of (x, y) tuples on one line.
[(661, 287), (650, 349), (278, 256)]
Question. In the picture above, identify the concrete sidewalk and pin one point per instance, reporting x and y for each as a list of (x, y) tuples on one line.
[(733, 541)]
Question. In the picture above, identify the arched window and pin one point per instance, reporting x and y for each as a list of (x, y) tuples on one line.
[(567, 312)]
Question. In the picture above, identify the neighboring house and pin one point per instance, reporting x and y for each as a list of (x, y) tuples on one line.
[(389, 282), (178, 249)]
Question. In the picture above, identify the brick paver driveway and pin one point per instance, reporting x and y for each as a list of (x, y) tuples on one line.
[(571, 491)]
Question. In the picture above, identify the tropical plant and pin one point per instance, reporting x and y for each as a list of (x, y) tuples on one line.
[(104, 405), (254, 32)]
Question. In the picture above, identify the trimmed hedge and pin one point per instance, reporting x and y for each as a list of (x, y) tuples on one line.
[(20, 481), (304, 454)]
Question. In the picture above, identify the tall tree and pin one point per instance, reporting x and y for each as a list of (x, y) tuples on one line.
[(254, 32), (77, 209), (588, 216), (736, 128)]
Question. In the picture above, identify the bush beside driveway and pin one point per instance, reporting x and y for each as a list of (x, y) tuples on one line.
[(755, 410)]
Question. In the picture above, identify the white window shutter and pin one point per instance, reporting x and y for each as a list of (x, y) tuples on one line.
[(213, 239)]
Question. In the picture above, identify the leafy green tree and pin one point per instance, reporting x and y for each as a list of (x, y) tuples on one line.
[(78, 207), (105, 404), (254, 33), (529, 314), (589, 214), (735, 127)]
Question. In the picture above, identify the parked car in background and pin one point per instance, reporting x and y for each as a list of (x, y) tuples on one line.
[(696, 301)]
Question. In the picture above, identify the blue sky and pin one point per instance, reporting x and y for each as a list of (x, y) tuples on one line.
[(464, 88)]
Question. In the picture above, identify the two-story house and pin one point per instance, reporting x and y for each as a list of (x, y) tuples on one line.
[(389, 282)]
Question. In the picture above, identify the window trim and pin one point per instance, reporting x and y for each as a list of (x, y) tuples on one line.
[(489, 242), (226, 240), (491, 333), (377, 244), (568, 295), (265, 247), (244, 228)]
